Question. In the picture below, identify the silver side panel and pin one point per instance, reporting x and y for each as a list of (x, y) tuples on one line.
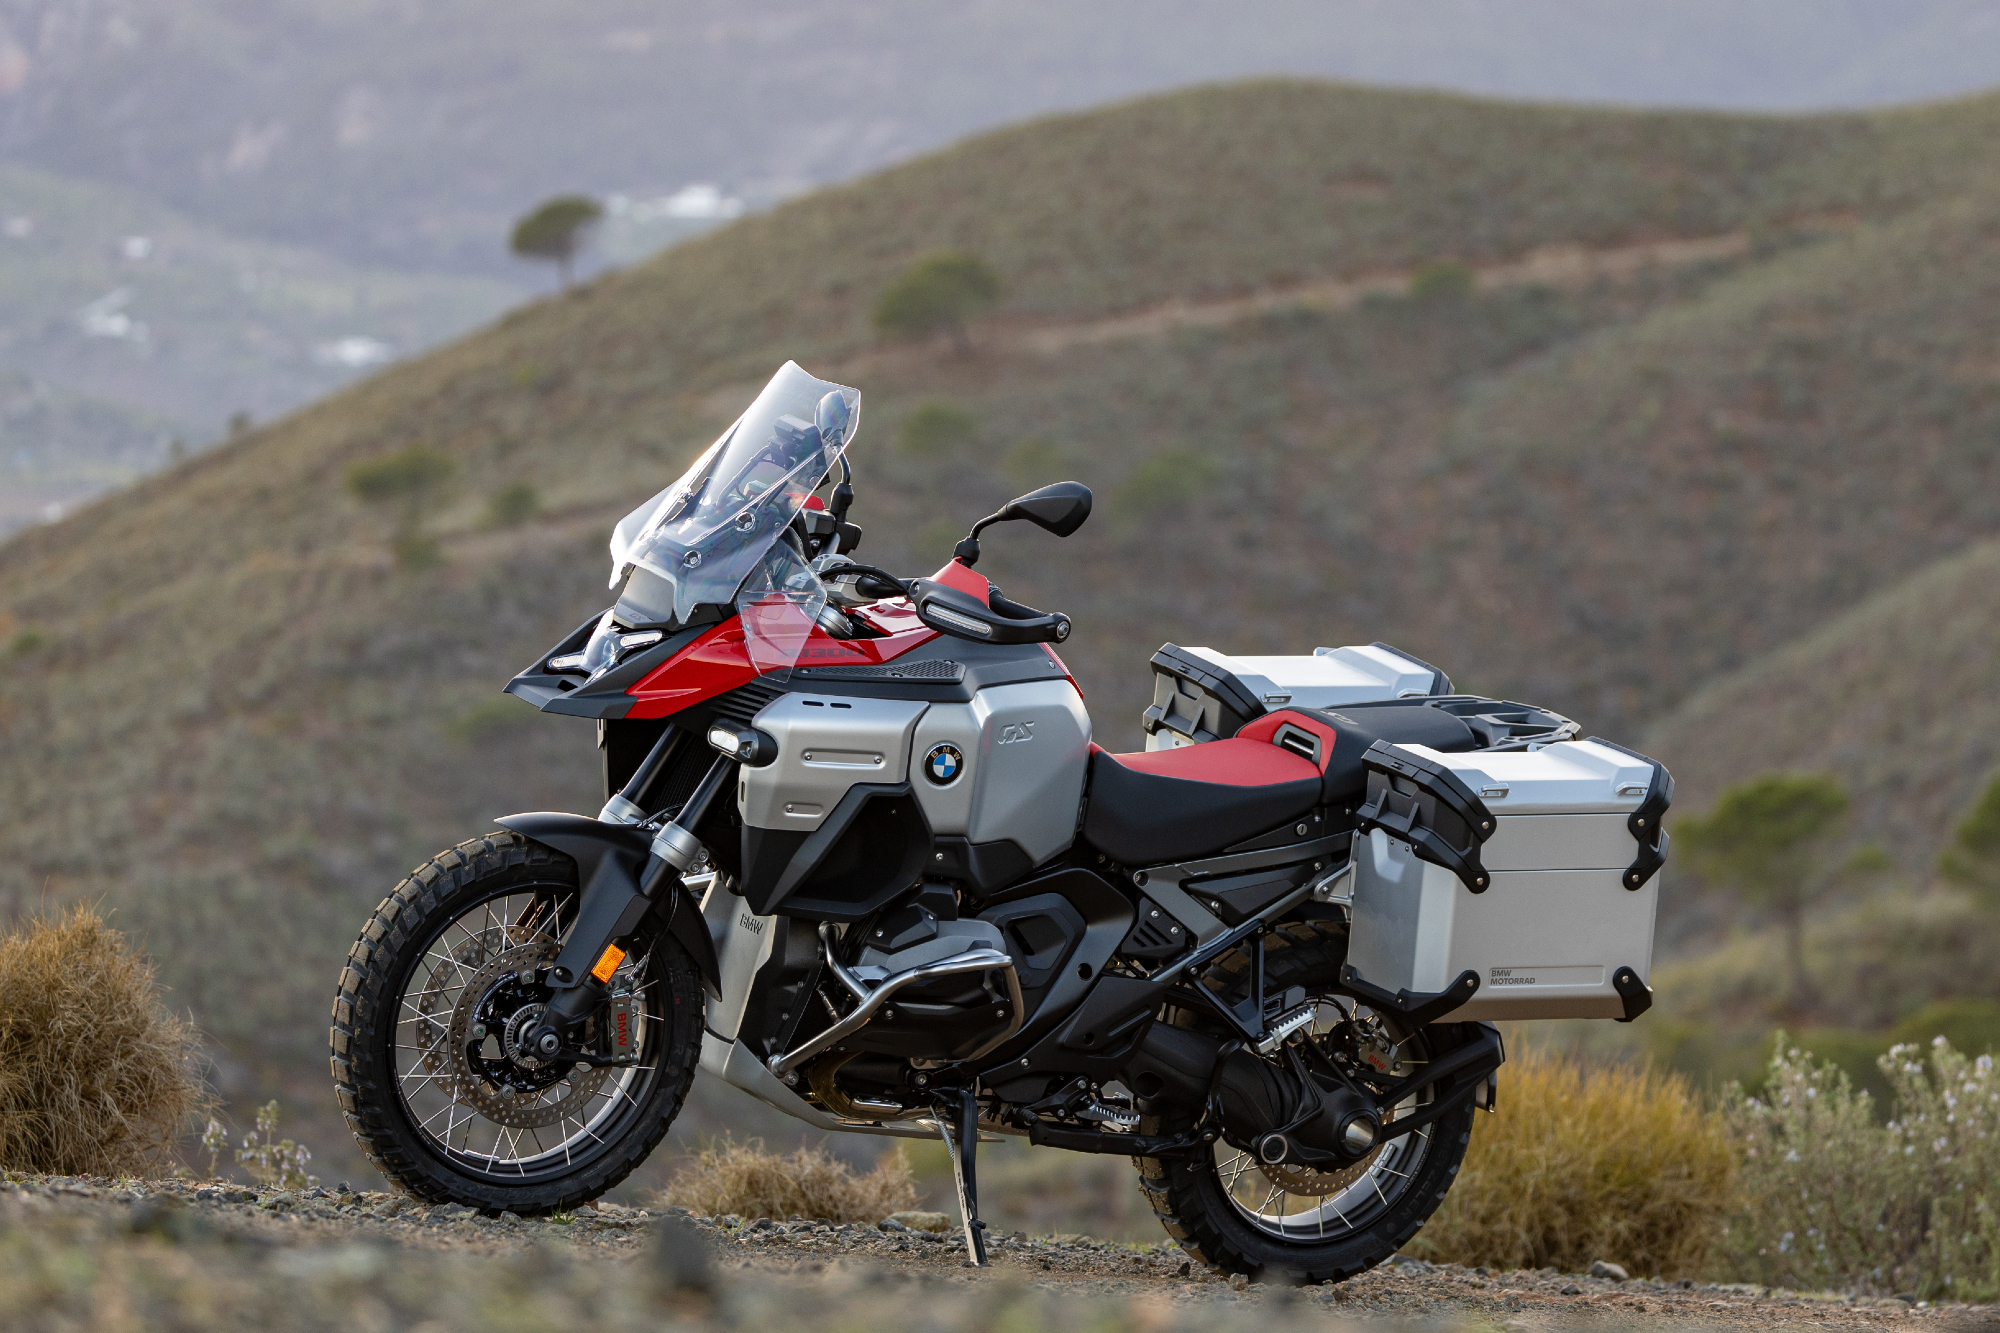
[(826, 744), (742, 947), (735, 1064), (1025, 747)]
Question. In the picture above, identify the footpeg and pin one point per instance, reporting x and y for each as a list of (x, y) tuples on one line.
[(1285, 1025)]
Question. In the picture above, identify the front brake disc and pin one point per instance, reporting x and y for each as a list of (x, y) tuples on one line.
[(471, 954), (514, 1108)]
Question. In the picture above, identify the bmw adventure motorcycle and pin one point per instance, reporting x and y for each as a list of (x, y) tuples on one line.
[(860, 859)]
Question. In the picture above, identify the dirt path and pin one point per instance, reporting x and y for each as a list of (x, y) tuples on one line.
[(1565, 266), (173, 1255)]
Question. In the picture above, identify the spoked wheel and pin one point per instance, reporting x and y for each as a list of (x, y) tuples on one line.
[(427, 1055), (1236, 1214)]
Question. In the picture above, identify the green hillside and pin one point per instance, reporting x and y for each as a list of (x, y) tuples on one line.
[(228, 715)]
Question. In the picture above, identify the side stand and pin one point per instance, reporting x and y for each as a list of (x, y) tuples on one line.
[(958, 1125)]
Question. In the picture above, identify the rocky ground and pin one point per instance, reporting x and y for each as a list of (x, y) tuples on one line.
[(173, 1255)]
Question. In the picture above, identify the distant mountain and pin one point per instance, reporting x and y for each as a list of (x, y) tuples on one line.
[(1674, 390), (170, 327), (412, 132)]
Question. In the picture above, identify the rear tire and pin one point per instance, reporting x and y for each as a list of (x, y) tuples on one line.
[(392, 1056), (1197, 1207)]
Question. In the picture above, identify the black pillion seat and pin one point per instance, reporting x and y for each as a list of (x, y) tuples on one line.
[(1159, 806)]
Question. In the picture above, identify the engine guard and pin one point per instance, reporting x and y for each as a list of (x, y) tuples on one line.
[(609, 859)]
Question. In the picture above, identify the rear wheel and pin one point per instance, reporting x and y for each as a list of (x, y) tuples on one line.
[(426, 1058), (1235, 1214)]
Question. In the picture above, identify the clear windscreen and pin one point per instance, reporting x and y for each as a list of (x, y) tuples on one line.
[(707, 536)]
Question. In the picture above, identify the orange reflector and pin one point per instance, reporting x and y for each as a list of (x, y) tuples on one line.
[(613, 956)]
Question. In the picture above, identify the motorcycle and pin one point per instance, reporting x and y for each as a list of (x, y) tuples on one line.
[(860, 858)]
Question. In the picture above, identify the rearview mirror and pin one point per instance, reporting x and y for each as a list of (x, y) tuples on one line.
[(1060, 508)]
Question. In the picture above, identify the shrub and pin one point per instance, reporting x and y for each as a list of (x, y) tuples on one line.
[(405, 480), (935, 428), (938, 294), (1831, 1198), (1177, 475), (271, 1160), (97, 1078), (1582, 1163), (1442, 280), (407, 476), (724, 1176), (513, 504)]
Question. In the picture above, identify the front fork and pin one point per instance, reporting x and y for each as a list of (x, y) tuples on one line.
[(617, 899)]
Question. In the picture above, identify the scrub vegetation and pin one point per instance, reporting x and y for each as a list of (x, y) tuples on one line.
[(1831, 1197), (1738, 390), (1580, 1164), (725, 1177), (97, 1077)]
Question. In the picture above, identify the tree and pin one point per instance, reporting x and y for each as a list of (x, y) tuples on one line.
[(938, 294), (1972, 860), (557, 230), (1763, 839)]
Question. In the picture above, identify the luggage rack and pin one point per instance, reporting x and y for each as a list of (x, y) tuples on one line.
[(1502, 725)]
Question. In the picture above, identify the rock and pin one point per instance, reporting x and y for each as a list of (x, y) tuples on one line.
[(680, 1261), (1572, 1289), (1605, 1269), (1238, 1281), (916, 1221)]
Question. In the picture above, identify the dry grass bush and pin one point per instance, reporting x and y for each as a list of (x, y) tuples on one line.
[(97, 1078), (1583, 1163), (724, 1177)]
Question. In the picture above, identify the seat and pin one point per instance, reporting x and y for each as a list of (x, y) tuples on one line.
[(1335, 739), (1173, 805)]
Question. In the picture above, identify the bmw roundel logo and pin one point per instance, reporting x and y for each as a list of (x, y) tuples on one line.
[(943, 764)]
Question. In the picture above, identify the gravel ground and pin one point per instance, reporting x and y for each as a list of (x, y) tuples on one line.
[(173, 1254)]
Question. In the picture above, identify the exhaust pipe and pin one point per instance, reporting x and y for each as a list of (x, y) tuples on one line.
[(870, 1001)]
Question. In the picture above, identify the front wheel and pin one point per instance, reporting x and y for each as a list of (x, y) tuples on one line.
[(425, 1058)]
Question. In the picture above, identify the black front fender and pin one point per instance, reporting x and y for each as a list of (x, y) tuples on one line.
[(609, 859)]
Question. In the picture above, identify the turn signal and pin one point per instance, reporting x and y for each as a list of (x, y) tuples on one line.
[(608, 963), (750, 746)]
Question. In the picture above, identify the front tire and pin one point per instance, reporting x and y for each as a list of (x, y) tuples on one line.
[(1233, 1216), (433, 990)]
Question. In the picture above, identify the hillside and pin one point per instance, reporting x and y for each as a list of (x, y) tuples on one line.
[(1593, 483), (1899, 697)]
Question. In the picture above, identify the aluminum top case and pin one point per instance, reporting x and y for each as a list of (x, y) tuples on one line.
[(1512, 883), (1201, 695)]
